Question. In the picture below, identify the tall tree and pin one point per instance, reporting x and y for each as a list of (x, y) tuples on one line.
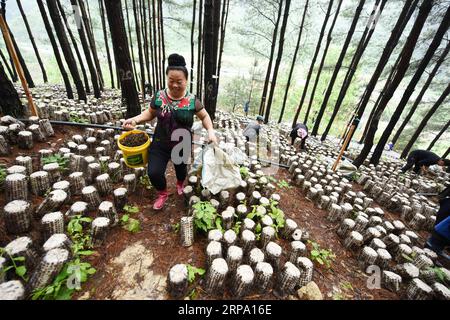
[(211, 35), (313, 61), (87, 51), (145, 38), (322, 62), (272, 52), (294, 60), (105, 37), (337, 67), (131, 41), (91, 39), (33, 43), (6, 63), (156, 65), (446, 153), (278, 60), (401, 68), (151, 47), (194, 7), (122, 56), (199, 50), (223, 27), (437, 39), (9, 99), (436, 138), (162, 41), (406, 13), (362, 45), (75, 47), (65, 47), (52, 39), (425, 120), (139, 44), (421, 94)]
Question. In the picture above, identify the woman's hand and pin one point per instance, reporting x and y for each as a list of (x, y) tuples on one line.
[(212, 137), (129, 124)]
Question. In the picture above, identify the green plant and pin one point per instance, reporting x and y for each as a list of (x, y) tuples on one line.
[(284, 184), (244, 172), (176, 227), (441, 275), (104, 167), (193, 271), (57, 158), (130, 224), (75, 118), (271, 179), (18, 264), (354, 176), (277, 215), (237, 227), (322, 256), (193, 294), (205, 216), (145, 182), (2, 176), (254, 213), (130, 208)]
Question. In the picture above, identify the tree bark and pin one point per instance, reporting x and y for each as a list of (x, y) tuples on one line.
[(424, 121), (131, 42), (311, 67), (163, 45), (139, 43), (278, 60), (75, 46), (294, 60), (273, 45), (145, 39), (421, 94), (105, 36), (52, 39), (444, 128), (437, 39), (152, 58), (9, 99), (364, 41), (122, 55), (199, 50), (322, 62), (87, 52), (337, 67), (405, 15), (33, 43), (403, 65), (446, 153), (194, 5), (155, 48), (65, 47), (6, 63), (223, 27)]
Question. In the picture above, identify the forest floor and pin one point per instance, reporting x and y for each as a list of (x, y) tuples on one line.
[(136, 265)]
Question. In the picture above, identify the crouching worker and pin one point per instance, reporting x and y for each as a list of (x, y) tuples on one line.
[(422, 159), (251, 131), (174, 107), (299, 131)]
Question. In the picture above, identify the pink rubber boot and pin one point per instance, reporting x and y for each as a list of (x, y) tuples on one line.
[(161, 200), (180, 187)]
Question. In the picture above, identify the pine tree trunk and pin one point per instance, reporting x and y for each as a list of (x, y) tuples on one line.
[(6, 63), (262, 106), (199, 51), (20, 57), (162, 41), (278, 60), (438, 135), (145, 38), (194, 5), (402, 66), (294, 59), (396, 32), (337, 67), (75, 46), (91, 39), (322, 62), (52, 39), (223, 27), (65, 47), (139, 43), (33, 43), (446, 153), (152, 59), (437, 39), (87, 52), (421, 94), (9, 99), (365, 38), (311, 68), (131, 43), (155, 48), (122, 55), (105, 36), (424, 121)]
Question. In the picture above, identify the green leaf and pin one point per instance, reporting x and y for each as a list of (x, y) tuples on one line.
[(315, 253), (319, 260), (20, 271), (125, 218), (258, 228), (85, 252), (20, 259)]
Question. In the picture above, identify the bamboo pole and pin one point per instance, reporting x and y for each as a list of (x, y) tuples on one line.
[(344, 146), (17, 64)]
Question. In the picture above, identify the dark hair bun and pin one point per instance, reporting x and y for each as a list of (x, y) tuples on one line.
[(175, 60)]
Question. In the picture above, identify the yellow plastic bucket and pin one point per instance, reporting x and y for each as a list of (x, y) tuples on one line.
[(135, 157)]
